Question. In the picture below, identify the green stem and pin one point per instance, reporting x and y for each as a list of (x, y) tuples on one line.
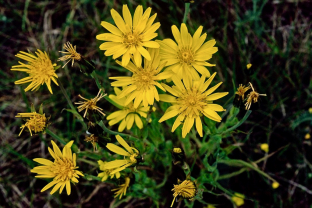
[(101, 124), (187, 9), (230, 175), (55, 136), (66, 97), (98, 84), (239, 123)]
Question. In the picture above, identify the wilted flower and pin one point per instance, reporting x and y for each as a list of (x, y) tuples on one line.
[(70, 54), (186, 189), (122, 189), (90, 104), (93, 139), (252, 97)]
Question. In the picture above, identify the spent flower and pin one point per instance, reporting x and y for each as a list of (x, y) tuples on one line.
[(252, 97), (62, 170), (122, 189), (39, 68), (70, 54), (186, 189), (131, 35), (90, 104)]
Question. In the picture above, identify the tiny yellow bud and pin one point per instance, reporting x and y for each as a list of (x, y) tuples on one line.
[(307, 136), (238, 199), (149, 120), (310, 110), (248, 66), (177, 150), (275, 185), (264, 147)]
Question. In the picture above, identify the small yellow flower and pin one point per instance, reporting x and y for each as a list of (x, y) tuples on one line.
[(40, 70), (238, 199), (93, 139), (70, 54), (187, 56), (90, 104), (130, 156), (241, 90), (128, 115), (190, 102), (186, 189), (248, 66), (264, 147), (130, 36), (36, 122), (307, 136), (141, 86), (177, 150), (104, 175), (62, 170), (310, 110), (122, 189), (252, 97), (275, 185)]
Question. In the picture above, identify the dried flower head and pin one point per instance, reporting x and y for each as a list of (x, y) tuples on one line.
[(130, 156), (62, 170), (93, 139), (36, 122), (131, 36), (70, 54), (186, 189), (122, 189), (241, 90), (40, 70), (90, 104), (252, 97), (104, 175)]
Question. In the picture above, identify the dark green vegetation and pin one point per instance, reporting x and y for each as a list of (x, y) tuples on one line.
[(275, 36)]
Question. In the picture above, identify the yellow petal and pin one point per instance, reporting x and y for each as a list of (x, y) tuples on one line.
[(124, 144), (116, 149), (216, 96), (111, 28), (127, 15), (49, 185), (116, 164), (169, 115), (68, 190), (43, 161), (138, 121), (56, 187), (118, 21)]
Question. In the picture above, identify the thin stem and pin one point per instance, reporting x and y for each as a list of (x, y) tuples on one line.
[(187, 9), (55, 136), (101, 124), (66, 96), (239, 123)]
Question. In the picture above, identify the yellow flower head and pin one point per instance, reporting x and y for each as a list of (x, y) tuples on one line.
[(177, 150), (241, 90), (93, 139), (70, 54), (90, 104), (128, 115), (141, 86), (104, 175), (249, 66), (307, 136), (188, 54), (129, 156), (190, 101), (35, 121), (186, 189), (275, 185), (238, 199), (122, 189), (130, 36), (264, 147), (40, 70), (62, 170), (252, 97)]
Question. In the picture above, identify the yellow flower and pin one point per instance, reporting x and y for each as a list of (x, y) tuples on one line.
[(265, 147), (128, 115), (141, 87), (241, 90), (130, 36), (310, 110), (188, 54), (238, 199), (252, 97), (275, 185), (40, 70), (90, 104), (104, 175), (70, 54), (177, 150), (35, 121), (93, 139), (120, 165), (190, 102), (122, 189), (186, 189), (307, 136), (248, 66), (62, 170)]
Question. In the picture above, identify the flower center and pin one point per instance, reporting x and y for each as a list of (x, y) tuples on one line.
[(186, 56), (63, 168), (132, 39), (36, 123), (192, 103), (143, 79)]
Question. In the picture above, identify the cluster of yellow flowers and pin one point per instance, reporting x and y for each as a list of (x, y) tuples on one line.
[(178, 68)]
